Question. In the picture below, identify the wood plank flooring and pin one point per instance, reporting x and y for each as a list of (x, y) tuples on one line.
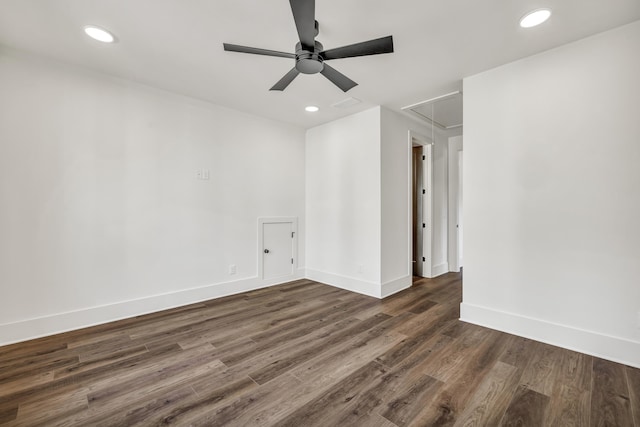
[(307, 354)]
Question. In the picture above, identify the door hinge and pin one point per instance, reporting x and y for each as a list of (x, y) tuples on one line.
[(291, 260), (424, 191), (424, 157), (292, 234), (424, 225), (424, 259)]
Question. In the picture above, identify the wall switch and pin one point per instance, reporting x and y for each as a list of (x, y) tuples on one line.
[(232, 269), (199, 174)]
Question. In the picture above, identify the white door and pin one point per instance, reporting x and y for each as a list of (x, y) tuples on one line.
[(459, 213), (455, 226), (277, 249)]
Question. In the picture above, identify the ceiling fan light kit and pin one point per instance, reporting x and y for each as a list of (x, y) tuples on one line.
[(310, 55)]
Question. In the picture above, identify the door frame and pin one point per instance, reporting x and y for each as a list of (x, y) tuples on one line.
[(427, 168), (460, 227), (455, 146), (294, 241)]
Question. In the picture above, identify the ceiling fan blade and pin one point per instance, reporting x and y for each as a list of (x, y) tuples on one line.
[(284, 82), (337, 78), (304, 14), (371, 47), (256, 51)]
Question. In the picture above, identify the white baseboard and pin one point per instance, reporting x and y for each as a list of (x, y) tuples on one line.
[(371, 289), (395, 286), (62, 322), (596, 344), (440, 269)]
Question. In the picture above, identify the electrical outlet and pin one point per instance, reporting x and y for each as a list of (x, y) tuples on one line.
[(232, 269), (202, 174)]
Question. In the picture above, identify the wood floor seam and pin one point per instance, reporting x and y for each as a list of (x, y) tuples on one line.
[(194, 391), (634, 410)]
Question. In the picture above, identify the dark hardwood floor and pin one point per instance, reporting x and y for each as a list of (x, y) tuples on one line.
[(307, 354)]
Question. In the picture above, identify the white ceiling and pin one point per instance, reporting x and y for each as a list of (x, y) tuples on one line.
[(177, 45)]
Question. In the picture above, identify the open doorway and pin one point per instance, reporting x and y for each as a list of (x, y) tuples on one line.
[(421, 209)]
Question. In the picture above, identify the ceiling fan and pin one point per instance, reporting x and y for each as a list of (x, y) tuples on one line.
[(310, 55)]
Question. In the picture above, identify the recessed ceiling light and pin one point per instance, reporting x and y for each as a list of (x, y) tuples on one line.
[(99, 34), (311, 108), (534, 18)]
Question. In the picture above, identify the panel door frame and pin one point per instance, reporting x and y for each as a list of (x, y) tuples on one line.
[(459, 215), (294, 241), (454, 194), (427, 207)]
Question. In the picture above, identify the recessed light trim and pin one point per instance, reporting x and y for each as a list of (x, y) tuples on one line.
[(311, 108), (535, 17), (99, 34)]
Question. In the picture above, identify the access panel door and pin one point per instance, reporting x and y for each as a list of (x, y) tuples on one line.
[(277, 249)]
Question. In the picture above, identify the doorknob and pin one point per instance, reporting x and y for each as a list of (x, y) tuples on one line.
[(266, 251)]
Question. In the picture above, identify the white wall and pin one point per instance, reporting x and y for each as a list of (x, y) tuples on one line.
[(343, 202), (395, 182), (101, 215), (440, 202), (357, 189), (551, 175)]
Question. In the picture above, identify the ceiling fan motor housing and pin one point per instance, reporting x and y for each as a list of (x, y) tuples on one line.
[(309, 62)]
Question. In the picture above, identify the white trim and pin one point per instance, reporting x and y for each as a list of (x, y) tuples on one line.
[(352, 284), (428, 209), (608, 347), (410, 208), (394, 286), (277, 220), (440, 269), (28, 329)]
